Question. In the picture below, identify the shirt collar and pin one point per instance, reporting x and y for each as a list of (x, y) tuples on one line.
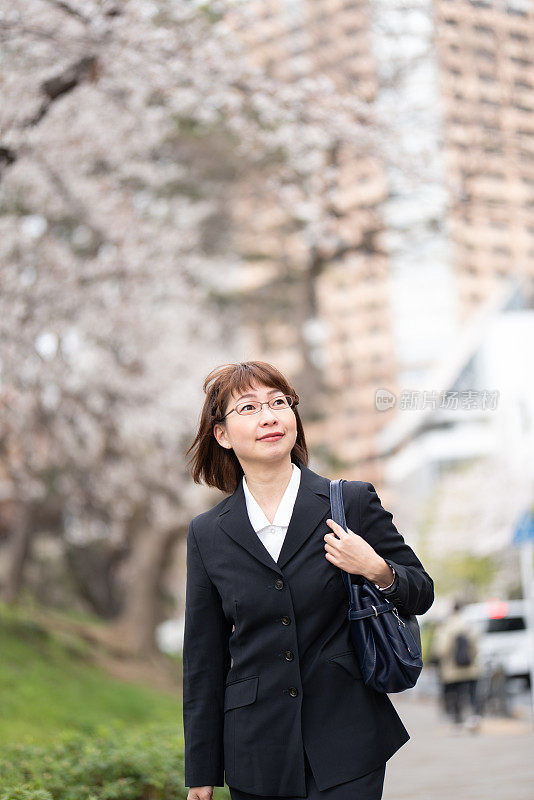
[(283, 512)]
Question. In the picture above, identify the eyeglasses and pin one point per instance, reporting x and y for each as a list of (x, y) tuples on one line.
[(254, 406)]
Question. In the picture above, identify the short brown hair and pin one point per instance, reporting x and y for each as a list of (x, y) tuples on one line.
[(212, 463)]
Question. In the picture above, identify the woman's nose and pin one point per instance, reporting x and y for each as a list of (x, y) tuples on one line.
[(267, 413)]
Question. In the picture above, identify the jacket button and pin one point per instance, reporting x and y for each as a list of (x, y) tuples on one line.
[(293, 691), (289, 655), (286, 620), (279, 583)]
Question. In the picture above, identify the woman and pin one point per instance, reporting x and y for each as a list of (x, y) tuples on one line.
[(272, 689)]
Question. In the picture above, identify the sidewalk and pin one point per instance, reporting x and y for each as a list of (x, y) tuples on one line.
[(497, 763)]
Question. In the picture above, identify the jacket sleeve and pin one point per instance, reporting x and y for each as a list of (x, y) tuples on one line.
[(206, 661), (413, 590)]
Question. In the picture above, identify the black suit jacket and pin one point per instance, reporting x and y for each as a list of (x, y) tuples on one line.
[(287, 677)]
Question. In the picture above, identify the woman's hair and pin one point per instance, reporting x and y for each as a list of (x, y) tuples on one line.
[(216, 465)]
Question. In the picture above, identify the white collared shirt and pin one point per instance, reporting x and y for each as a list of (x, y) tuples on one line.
[(272, 535)]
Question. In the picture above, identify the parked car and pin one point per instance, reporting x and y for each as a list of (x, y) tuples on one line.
[(505, 638)]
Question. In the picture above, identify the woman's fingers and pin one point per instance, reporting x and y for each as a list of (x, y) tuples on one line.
[(200, 793), (340, 531)]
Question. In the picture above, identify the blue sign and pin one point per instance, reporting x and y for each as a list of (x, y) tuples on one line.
[(524, 530)]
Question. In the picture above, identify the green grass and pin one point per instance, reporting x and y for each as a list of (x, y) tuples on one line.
[(48, 686), (70, 731)]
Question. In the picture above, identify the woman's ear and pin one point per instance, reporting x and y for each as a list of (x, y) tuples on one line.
[(219, 432)]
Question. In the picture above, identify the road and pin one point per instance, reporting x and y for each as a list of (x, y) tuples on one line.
[(439, 763)]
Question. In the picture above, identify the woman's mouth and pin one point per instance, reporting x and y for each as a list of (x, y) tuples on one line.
[(272, 437)]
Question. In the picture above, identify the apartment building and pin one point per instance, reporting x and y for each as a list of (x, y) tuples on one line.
[(485, 50), (324, 313)]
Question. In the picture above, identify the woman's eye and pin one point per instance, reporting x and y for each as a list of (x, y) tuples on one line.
[(279, 400), (247, 405)]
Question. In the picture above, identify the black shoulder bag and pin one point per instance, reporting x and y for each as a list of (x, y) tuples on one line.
[(387, 643)]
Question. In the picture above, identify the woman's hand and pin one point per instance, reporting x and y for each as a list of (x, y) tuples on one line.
[(200, 793), (352, 553)]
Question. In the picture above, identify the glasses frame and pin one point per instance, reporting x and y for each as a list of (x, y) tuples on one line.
[(294, 402)]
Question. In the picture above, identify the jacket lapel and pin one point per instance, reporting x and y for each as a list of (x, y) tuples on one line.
[(311, 505)]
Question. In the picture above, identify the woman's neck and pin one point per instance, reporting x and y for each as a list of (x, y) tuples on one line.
[(268, 482)]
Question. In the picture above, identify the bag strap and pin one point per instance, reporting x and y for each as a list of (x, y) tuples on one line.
[(338, 515)]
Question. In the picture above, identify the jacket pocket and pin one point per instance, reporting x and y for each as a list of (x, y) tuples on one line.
[(349, 660), (240, 693)]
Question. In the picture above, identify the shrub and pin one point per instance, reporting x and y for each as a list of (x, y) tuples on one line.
[(113, 765)]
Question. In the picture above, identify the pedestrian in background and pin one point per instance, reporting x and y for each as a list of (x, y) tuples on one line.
[(456, 649)]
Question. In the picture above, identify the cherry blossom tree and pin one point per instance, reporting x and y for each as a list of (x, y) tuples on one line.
[(131, 138)]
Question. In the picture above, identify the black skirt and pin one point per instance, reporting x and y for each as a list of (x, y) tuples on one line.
[(367, 787)]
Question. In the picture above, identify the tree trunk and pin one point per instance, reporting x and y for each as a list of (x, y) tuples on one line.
[(18, 552), (134, 629)]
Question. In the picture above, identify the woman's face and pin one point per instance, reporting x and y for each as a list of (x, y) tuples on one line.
[(245, 434)]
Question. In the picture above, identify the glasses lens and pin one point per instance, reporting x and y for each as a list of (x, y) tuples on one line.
[(248, 407), (282, 401)]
